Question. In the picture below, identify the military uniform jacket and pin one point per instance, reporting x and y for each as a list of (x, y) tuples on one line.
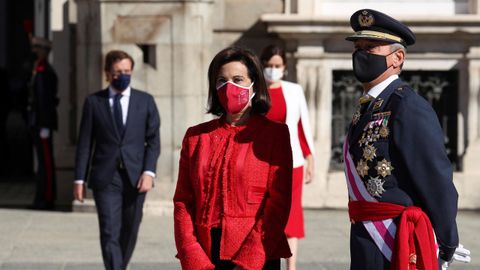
[(43, 98), (398, 150)]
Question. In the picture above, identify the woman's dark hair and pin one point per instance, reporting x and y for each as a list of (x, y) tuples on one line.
[(272, 50), (261, 100)]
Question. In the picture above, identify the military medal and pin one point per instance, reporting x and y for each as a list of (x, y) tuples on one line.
[(362, 140), (383, 115), (370, 135), (362, 168), (384, 132), (369, 152), (384, 168), (356, 117), (375, 186)]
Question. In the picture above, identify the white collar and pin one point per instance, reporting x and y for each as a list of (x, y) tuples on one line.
[(112, 92), (378, 89)]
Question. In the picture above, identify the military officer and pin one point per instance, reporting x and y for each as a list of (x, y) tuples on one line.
[(401, 194)]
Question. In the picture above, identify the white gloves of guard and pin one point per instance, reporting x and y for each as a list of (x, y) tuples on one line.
[(461, 255), (44, 133)]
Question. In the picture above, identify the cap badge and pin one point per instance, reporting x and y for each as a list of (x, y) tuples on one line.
[(365, 19)]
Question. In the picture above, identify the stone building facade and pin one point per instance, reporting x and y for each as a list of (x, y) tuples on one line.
[(173, 41)]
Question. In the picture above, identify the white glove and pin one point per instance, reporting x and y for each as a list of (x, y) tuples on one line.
[(44, 133), (461, 255), (444, 264)]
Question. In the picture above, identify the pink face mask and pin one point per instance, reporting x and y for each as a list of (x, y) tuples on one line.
[(233, 97)]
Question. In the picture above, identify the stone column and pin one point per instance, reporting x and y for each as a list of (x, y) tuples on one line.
[(474, 7), (306, 7), (314, 73), (64, 64), (88, 69), (471, 173)]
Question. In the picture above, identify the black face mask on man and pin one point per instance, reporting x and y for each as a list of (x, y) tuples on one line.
[(367, 66)]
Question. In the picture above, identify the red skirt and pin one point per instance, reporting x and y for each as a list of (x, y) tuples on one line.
[(295, 227)]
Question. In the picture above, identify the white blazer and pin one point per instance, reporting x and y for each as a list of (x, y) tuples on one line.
[(297, 111)]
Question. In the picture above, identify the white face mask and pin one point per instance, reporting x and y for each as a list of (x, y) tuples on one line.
[(273, 74)]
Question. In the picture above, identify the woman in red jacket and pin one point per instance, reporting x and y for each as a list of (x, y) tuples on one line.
[(232, 200)]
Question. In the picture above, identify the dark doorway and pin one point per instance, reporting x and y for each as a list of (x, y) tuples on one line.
[(16, 158)]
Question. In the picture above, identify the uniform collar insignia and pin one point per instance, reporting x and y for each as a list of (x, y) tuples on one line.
[(378, 103)]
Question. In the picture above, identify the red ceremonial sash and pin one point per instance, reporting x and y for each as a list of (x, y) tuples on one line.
[(415, 246)]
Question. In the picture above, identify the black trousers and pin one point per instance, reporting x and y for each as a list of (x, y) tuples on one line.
[(216, 235), (45, 191), (119, 209)]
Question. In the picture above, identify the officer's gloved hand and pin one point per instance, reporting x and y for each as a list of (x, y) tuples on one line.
[(44, 133), (461, 254), (444, 264)]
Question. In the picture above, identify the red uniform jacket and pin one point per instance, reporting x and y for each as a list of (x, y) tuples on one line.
[(256, 194)]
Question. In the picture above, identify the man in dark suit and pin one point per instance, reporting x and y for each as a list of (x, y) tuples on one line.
[(42, 118), (118, 148), (398, 174)]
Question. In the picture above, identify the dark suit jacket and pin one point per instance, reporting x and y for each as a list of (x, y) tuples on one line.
[(101, 148), (422, 173)]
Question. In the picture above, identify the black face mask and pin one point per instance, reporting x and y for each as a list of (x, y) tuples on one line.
[(367, 66)]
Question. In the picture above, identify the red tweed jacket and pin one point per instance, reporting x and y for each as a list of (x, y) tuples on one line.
[(256, 193)]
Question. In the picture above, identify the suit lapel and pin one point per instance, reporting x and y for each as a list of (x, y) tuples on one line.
[(376, 105)]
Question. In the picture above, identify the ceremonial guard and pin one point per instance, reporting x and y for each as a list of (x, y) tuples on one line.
[(42, 115), (402, 201)]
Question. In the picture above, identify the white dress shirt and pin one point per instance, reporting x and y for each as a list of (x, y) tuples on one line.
[(124, 102), (378, 89)]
